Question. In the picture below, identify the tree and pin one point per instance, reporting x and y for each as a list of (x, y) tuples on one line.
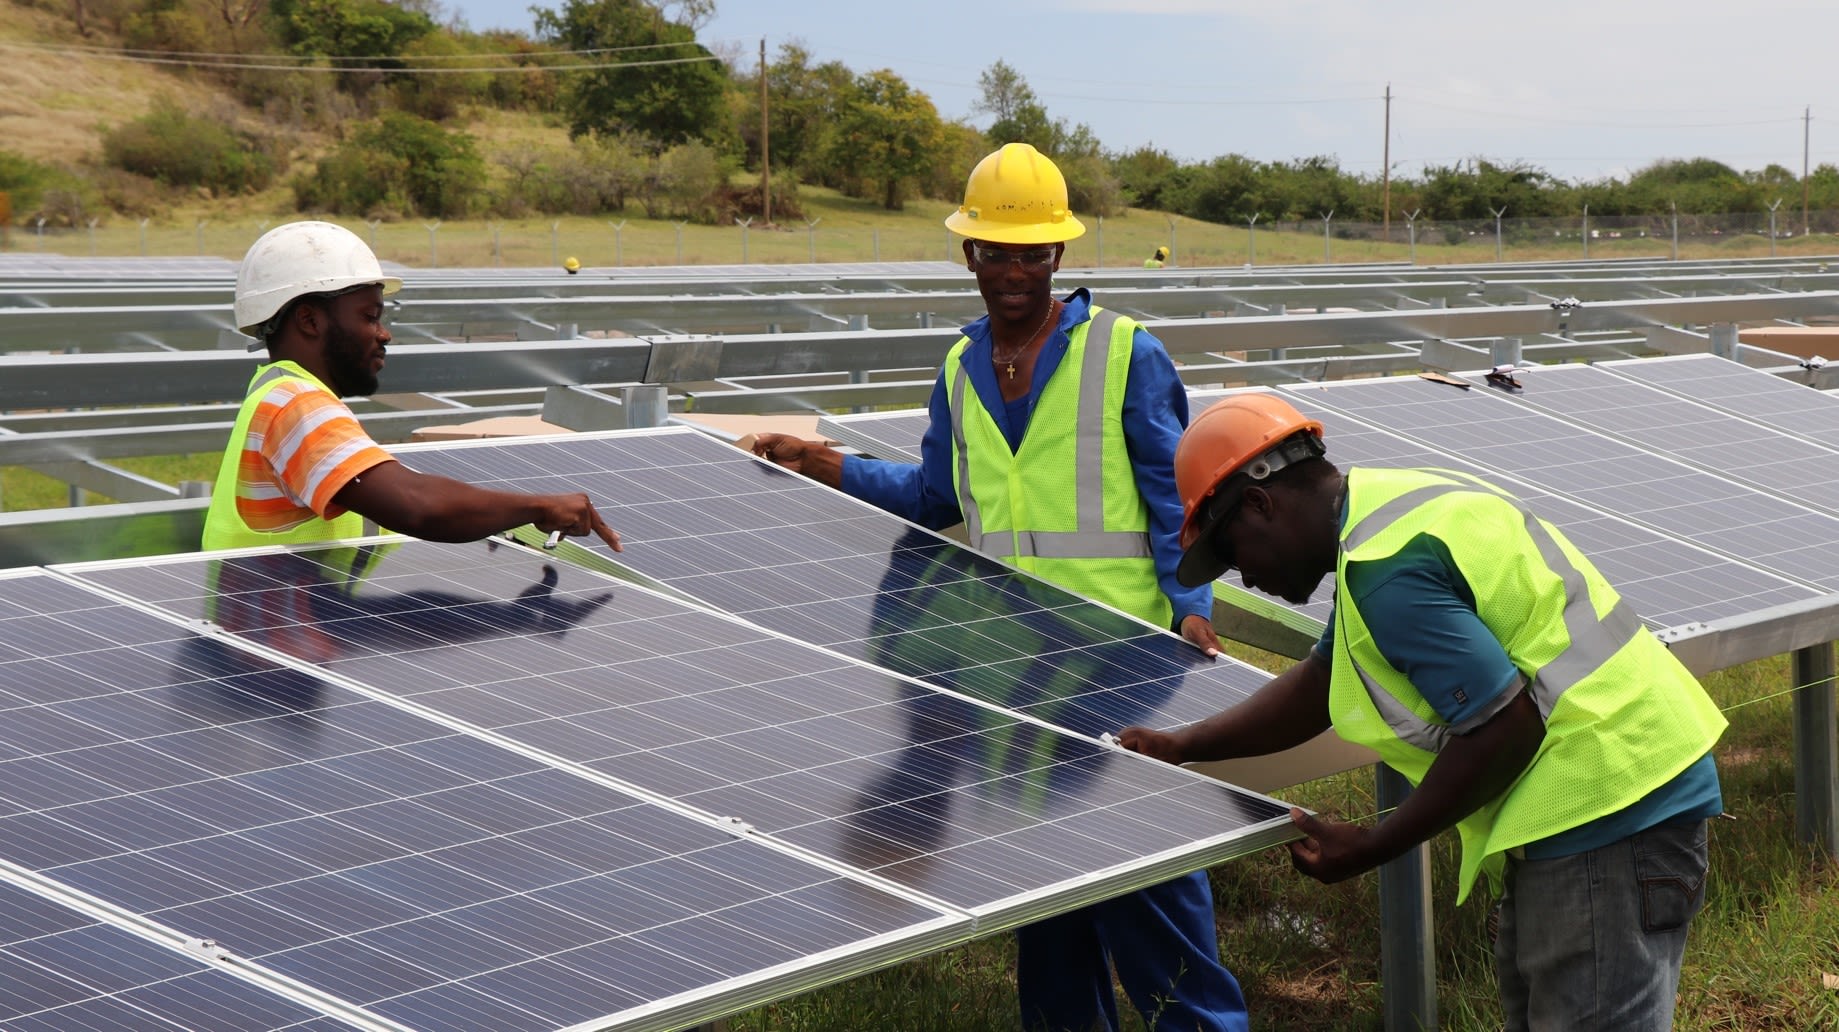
[(887, 133), (1020, 116), (681, 99), (349, 28)]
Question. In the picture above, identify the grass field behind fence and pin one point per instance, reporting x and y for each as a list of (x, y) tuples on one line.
[(832, 228)]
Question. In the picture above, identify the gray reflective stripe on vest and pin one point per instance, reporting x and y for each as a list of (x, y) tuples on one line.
[(371, 527), (1593, 639), (1090, 541), (1043, 544)]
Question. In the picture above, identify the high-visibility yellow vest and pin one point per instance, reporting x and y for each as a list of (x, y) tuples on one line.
[(1622, 715), (1065, 506), (223, 525)]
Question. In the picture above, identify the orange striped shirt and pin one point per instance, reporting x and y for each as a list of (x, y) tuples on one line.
[(303, 447)]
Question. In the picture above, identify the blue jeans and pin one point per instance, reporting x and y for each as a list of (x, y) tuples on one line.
[(1162, 940), (1598, 940)]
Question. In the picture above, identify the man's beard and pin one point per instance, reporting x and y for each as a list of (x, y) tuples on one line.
[(345, 360)]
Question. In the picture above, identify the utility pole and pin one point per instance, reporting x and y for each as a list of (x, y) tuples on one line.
[(1806, 133), (1385, 175), (766, 170)]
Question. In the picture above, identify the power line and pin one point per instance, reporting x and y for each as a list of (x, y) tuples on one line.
[(84, 50), (249, 66)]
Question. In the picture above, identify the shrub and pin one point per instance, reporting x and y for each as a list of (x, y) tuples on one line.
[(172, 147), (42, 191), (396, 165)]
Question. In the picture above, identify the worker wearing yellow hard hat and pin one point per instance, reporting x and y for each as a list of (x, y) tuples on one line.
[(572, 264), (1157, 259), (1052, 435)]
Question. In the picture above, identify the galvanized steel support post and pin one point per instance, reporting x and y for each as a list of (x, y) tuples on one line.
[(1407, 957), (1816, 761)]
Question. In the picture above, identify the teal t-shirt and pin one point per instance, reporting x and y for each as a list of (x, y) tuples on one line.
[(1421, 613)]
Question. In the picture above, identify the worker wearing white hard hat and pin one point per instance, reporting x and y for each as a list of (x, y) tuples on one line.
[(1052, 439), (299, 467)]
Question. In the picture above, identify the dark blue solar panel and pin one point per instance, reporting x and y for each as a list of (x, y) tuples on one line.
[(61, 970), (373, 854), (964, 803), (788, 554)]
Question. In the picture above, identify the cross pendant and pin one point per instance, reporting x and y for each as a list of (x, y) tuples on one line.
[(1012, 370)]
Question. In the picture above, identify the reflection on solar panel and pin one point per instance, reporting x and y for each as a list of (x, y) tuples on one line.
[(379, 857), (61, 970), (1737, 447), (1738, 389), (791, 555), (1495, 433), (987, 812)]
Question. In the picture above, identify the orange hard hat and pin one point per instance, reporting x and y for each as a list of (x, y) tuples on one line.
[(1234, 443)]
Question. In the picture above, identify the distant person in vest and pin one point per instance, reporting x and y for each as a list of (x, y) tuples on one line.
[(1485, 659), (1158, 259), (298, 467), (1052, 439)]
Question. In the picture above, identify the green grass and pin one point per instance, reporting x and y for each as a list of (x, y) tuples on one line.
[(1307, 955), (846, 230), (22, 488)]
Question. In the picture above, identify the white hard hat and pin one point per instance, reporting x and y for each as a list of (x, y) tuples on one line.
[(302, 258)]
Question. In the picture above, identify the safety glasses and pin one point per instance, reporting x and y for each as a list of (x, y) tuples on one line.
[(989, 255)]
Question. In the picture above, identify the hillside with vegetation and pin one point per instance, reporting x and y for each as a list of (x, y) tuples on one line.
[(392, 111)]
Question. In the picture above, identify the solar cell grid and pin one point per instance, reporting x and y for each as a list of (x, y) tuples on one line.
[(367, 852), (62, 970), (806, 561), (845, 760), (1743, 449), (1750, 393)]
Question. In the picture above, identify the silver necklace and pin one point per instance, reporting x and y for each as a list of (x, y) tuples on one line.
[(1009, 362)]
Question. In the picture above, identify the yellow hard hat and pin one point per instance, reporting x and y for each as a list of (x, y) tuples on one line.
[(1015, 196), (571, 263), (1162, 252)]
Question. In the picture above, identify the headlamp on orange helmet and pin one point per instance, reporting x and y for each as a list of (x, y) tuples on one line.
[(1234, 444)]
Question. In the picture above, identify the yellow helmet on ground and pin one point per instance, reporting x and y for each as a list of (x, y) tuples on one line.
[(572, 264), (1015, 196)]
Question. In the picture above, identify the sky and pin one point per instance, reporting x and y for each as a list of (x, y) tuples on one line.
[(1584, 90)]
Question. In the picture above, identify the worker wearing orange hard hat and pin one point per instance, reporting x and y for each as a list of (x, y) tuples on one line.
[(1052, 435), (1487, 661)]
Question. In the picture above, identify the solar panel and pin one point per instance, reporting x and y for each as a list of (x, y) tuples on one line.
[(1751, 393), (61, 969), (884, 435), (1669, 582), (1494, 432), (382, 858), (801, 559), (1736, 446), (987, 812)]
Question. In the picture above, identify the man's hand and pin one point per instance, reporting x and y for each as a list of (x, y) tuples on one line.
[(573, 514), (1199, 630), (1157, 745), (781, 450), (813, 459), (1330, 851)]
